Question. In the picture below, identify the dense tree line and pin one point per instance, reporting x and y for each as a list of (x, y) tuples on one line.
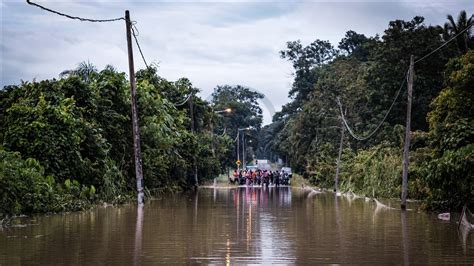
[(67, 143), (366, 73)]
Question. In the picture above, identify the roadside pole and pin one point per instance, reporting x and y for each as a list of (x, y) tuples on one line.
[(191, 113), (336, 180), (406, 148), (135, 125)]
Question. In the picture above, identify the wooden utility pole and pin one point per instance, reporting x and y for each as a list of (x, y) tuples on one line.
[(213, 148), (191, 113), (336, 180), (406, 148), (136, 128)]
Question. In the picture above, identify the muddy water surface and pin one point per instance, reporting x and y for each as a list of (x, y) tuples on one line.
[(240, 225)]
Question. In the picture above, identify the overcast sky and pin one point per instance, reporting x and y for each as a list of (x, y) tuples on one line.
[(211, 43)]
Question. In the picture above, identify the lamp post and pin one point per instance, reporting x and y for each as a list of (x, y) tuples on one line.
[(243, 144), (227, 110)]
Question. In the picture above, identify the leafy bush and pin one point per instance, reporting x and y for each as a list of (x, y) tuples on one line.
[(374, 172), (451, 180), (24, 188), (23, 185)]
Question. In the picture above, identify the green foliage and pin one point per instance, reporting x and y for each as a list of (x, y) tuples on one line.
[(245, 112), (365, 73), (452, 117), (24, 188), (449, 175), (321, 167), (23, 185), (450, 179), (464, 40), (305, 61), (77, 133), (375, 172)]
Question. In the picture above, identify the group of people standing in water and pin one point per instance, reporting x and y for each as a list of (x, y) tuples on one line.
[(259, 177)]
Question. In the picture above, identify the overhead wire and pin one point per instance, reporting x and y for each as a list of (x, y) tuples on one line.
[(135, 33), (183, 102), (445, 43), (223, 133), (133, 27), (349, 129), (73, 17)]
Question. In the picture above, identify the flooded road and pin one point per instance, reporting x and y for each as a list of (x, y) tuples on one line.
[(240, 225)]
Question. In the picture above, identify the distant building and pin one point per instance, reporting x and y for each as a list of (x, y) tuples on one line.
[(263, 164)]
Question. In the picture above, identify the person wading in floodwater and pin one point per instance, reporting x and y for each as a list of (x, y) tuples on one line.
[(235, 176), (276, 178)]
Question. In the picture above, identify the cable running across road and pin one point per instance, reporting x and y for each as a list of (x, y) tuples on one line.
[(74, 17), (448, 41), (349, 129), (133, 27)]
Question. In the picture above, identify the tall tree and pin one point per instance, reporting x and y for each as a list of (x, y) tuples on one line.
[(452, 28), (246, 112), (357, 45), (305, 60)]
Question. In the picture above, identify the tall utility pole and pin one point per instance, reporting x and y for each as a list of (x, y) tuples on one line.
[(213, 149), (136, 128), (406, 148), (191, 113), (336, 180)]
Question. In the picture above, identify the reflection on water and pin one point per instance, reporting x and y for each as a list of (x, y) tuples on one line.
[(235, 226), (406, 245), (138, 236)]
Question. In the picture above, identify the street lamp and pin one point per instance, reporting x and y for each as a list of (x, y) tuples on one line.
[(227, 110), (243, 143)]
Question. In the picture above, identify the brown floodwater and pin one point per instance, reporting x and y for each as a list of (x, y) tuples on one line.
[(238, 226)]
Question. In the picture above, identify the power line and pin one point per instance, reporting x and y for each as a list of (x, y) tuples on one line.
[(349, 129), (133, 27), (135, 34), (351, 132), (444, 44), (223, 133), (74, 17), (183, 102)]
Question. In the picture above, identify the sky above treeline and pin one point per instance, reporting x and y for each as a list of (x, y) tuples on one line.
[(211, 43)]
